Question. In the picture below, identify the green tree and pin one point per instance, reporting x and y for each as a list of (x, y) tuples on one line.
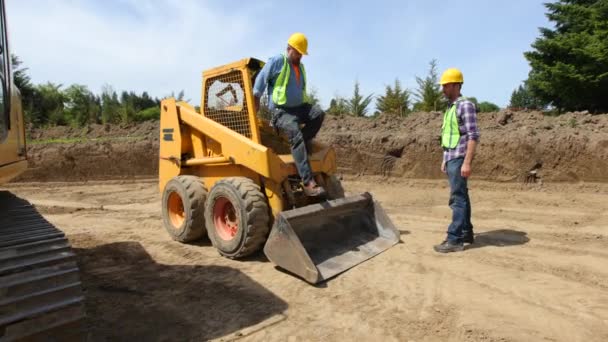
[(110, 106), (26, 88), (180, 96), (150, 113), (570, 62), (127, 107), (487, 107), (395, 100), (474, 100), (145, 101), (523, 98), (357, 105), (312, 96), (429, 94), (338, 106), (47, 105), (23, 83), (81, 106)]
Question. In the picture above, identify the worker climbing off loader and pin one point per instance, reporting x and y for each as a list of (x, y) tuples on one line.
[(284, 77)]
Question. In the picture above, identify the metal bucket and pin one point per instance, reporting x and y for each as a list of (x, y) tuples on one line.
[(319, 241)]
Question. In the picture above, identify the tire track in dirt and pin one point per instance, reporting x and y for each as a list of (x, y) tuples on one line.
[(488, 270), (579, 274), (550, 240), (527, 304), (551, 287)]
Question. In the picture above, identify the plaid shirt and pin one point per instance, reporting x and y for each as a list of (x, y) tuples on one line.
[(466, 114)]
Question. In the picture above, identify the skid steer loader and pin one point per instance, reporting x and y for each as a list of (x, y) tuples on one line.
[(226, 173)]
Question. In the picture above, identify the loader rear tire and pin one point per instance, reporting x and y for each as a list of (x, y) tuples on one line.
[(333, 186), (237, 217), (184, 208)]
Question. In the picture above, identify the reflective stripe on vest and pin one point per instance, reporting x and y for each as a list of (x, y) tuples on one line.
[(450, 134), (279, 93)]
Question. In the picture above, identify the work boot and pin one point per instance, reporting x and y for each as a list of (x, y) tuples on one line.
[(468, 238), (312, 189), (449, 246)]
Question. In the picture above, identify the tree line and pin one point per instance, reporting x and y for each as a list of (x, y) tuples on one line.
[(400, 101), (52, 104), (569, 71)]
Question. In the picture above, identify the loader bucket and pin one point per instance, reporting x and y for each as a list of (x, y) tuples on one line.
[(319, 241)]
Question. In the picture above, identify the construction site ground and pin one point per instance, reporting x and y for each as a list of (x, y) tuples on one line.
[(537, 271)]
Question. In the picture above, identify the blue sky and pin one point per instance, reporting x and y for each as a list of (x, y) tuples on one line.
[(162, 46)]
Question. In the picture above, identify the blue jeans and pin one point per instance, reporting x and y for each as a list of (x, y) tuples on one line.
[(459, 202), (288, 120)]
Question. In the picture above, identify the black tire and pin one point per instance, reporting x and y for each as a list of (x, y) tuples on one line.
[(333, 186), (191, 192), (239, 225)]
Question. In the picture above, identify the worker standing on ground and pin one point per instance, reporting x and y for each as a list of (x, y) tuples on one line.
[(284, 77), (459, 137)]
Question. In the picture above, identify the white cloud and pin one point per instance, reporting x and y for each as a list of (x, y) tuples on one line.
[(162, 46), (144, 49)]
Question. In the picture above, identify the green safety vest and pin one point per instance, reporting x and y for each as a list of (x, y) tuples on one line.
[(450, 134), (279, 93)]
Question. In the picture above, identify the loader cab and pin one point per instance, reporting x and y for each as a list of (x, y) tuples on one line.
[(227, 98)]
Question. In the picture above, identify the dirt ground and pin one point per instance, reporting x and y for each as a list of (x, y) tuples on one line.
[(537, 271)]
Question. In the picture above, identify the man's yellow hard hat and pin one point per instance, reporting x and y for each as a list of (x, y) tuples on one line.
[(299, 42), (451, 75)]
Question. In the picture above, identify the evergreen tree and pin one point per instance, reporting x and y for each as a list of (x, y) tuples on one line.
[(570, 62)]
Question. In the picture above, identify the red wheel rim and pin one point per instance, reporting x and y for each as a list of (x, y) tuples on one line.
[(175, 207), (225, 219)]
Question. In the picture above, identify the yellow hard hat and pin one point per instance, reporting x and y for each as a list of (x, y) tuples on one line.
[(299, 42), (451, 75)]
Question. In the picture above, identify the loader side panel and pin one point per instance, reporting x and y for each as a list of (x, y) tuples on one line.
[(170, 143)]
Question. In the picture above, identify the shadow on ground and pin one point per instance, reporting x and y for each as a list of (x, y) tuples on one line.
[(500, 238), (131, 297)]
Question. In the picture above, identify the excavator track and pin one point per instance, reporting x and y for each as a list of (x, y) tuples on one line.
[(40, 290)]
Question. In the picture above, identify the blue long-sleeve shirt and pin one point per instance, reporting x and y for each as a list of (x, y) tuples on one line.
[(268, 76)]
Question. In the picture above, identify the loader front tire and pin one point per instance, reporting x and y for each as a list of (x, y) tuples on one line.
[(237, 217), (184, 208)]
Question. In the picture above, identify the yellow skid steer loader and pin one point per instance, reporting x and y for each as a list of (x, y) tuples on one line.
[(226, 173)]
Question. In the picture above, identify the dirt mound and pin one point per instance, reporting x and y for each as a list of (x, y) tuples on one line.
[(92, 160), (570, 147), (146, 129)]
